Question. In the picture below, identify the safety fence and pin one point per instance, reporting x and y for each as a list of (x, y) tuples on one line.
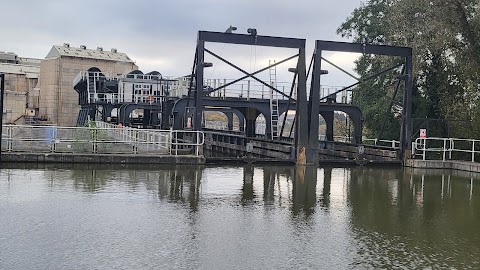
[(100, 138), (446, 149)]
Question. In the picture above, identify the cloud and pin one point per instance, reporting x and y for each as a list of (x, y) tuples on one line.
[(161, 35)]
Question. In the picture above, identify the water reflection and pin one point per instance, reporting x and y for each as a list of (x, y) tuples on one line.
[(304, 190), (414, 218), (276, 215), (247, 188)]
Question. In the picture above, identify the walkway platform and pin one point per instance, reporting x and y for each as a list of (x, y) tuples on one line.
[(101, 158)]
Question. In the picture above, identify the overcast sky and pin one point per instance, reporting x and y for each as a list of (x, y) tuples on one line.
[(161, 35)]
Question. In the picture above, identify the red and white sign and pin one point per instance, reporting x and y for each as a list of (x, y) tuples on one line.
[(423, 133)]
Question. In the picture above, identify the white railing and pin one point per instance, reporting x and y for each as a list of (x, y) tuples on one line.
[(378, 142), (101, 138), (252, 89), (446, 146)]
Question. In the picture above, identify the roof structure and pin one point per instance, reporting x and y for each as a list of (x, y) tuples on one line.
[(28, 70), (83, 52), (29, 61)]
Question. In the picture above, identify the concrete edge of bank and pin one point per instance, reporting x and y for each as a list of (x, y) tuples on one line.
[(448, 165), (101, 158)]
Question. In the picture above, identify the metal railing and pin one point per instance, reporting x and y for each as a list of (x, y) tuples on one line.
[(378, 142), (100, 138), (251, 89), (446, 148)]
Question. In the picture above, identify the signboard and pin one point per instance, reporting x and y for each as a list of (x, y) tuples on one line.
[(423, 133), (189, 117)]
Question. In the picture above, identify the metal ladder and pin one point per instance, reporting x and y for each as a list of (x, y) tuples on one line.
[(91, 87), (273, 101)]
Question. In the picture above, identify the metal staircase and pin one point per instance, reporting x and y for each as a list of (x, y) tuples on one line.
[(82, 117), (91, 83), (274, 117)]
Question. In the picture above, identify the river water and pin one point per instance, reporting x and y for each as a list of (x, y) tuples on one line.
[(270, 217)]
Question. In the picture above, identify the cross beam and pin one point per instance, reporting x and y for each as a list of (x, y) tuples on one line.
[(403, 52), (301, 138), (252, 75)]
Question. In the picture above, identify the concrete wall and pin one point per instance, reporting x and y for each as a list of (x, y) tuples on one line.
[(17, 90), (14, 107), (58, 100)]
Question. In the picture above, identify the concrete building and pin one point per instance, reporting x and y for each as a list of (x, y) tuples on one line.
[(58, 100), (180, 86), (137, 87), (21, 87)]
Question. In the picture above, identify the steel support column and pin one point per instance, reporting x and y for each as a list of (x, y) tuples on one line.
[(406, 138), (197, 122), (301, 125), (313, 107)]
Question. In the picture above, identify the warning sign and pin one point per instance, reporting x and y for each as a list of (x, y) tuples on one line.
[(423, 133)]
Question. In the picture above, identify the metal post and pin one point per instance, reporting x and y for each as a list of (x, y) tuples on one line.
[(473, 150), (444, 148), (197, 123), (424, 147), (2, 93), (406, 135), (313, 108), (224, 89)]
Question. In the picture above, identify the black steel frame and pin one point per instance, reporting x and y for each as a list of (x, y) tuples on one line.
[(404, 52), (301, 138)]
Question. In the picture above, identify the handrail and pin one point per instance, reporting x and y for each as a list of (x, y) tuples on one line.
[(99, 138), (449, 146), (391, 143)]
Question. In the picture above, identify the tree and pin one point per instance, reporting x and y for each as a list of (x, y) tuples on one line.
[(444, 35)]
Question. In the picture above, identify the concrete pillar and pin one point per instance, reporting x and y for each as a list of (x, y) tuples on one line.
[(268, 125), (251, 118), (328, 117), (357, 130), (241, 122), (146, 118), (229, 120), (154, 118)]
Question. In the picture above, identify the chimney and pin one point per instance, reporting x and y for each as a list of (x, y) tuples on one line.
[(100, 49), (114, 50), (83, 47), (66, 45)]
